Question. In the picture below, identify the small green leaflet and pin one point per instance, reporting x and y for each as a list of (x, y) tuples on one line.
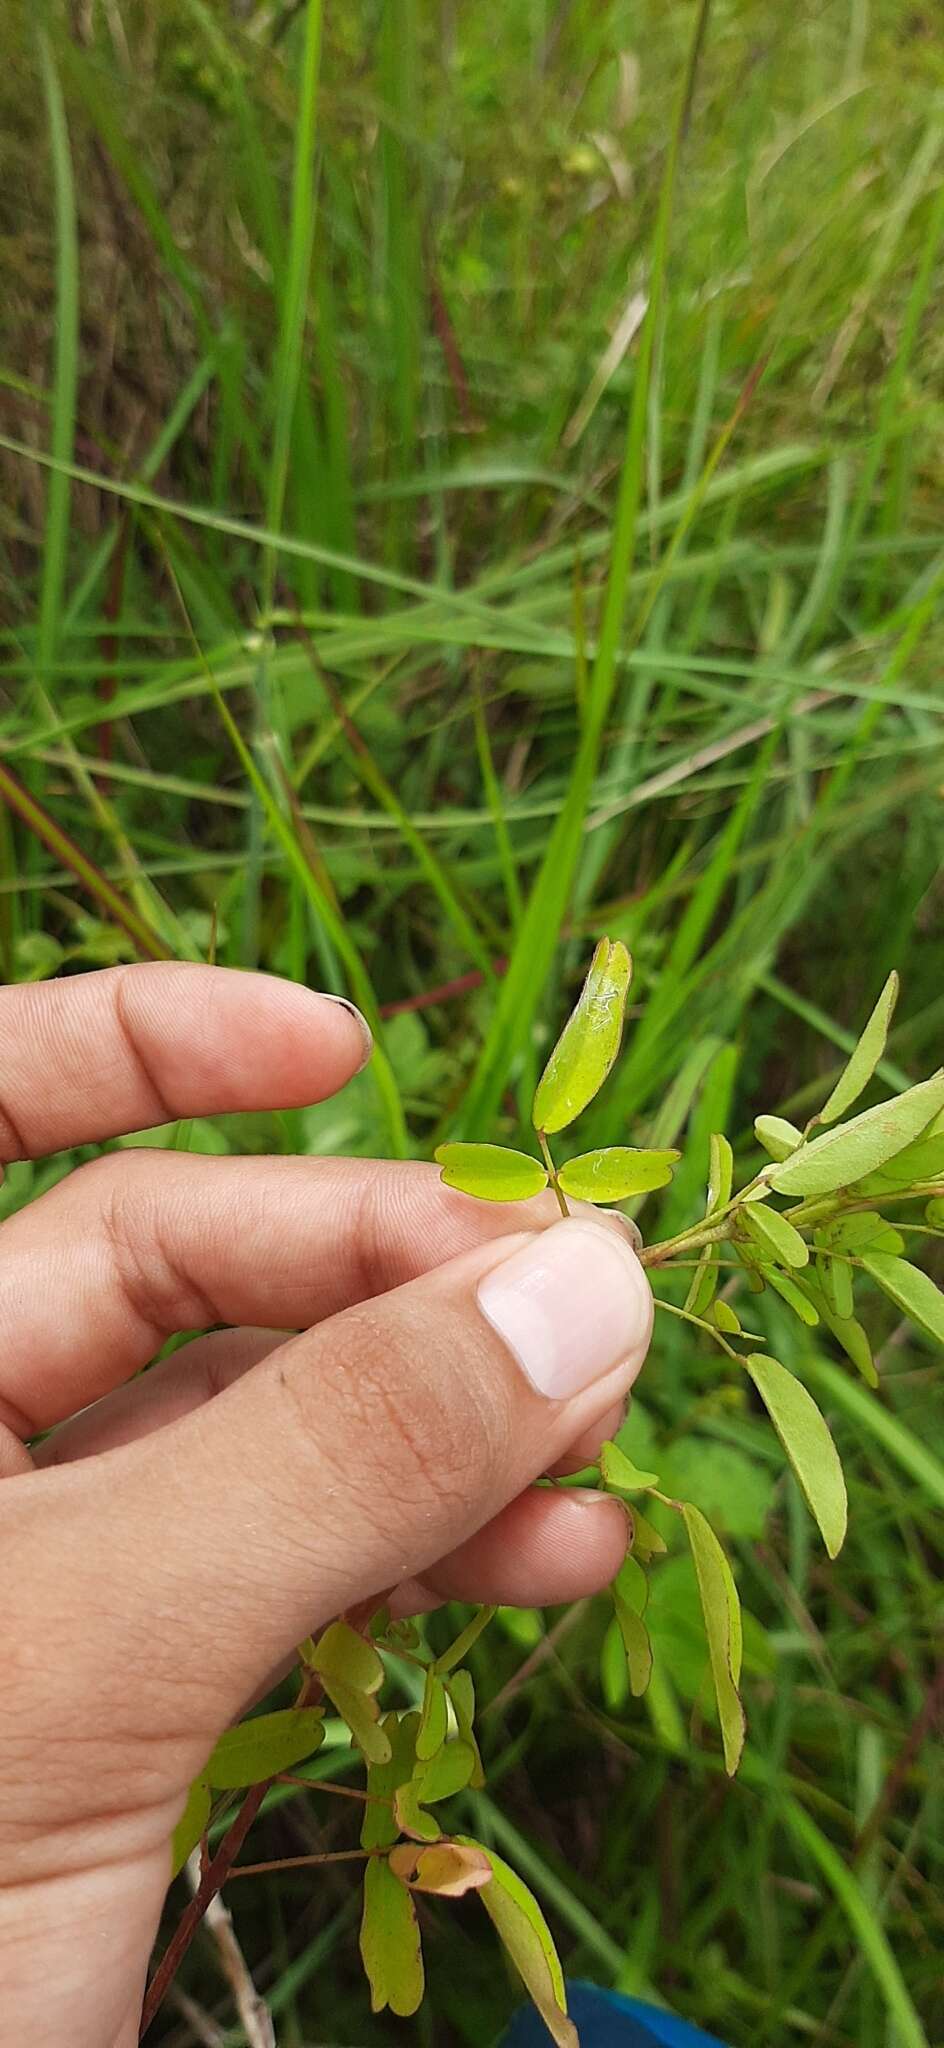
[(260, 1749), (351, 1671), (492, 1172), (865, 1056), (411, 1817), (725, 1318), (777, 1136), (390, 1942), (910, 1290), (524, 1932), (720, 1173), (863, 1228), (589, 1042), (775, 1234), (721, 1609), (808, 1444), (461, 1691), (846, 1331), (378, 1827), (842, 1156), (619, 1473), (614, 1173), (934, 1213), (630, 1590), (191, 1825), (449, 1771), (434, 1719)]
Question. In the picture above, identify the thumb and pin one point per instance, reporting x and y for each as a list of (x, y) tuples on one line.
[(351, 1458)]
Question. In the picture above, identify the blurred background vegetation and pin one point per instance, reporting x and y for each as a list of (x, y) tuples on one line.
[(333, 361)]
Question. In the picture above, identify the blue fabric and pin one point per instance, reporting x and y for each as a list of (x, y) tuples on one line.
[(604, 2019)]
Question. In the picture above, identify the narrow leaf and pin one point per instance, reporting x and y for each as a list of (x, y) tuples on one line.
[(842, 1156), (846, 1331), (808, 1444), (795, 1297), (646, 1541), (637, 1646), (720, 1172), (525, 1934), (449, 1869), (620, 1474), (911, 1290), (492, 1172), (434, 1718), (618, 1171), (775, 1233), (865, 1056), (589, 1042), (777, 1136), (722, 1615), (191, 1825), (261, 1748), (461, 1691), (390, 1942)]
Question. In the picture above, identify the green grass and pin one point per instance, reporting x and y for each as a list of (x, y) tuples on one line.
[(307, 411)]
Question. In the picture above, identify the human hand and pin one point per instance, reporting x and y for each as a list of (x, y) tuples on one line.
[(164, 1549)]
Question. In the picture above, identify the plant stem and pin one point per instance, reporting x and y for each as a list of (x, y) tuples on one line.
[(552, 1174)]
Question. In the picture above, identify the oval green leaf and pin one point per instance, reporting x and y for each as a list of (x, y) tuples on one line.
[(191, 1826), (620, 1474), (721, 1610), (492, 1172), (865, 1056), (842, 1156), (846, 1331), (589, 1042), (260, 1749), (777, 1136), (911, 1290), (341, 1653), (390, 1942), (615, 1172), (808, 1444), (448, 1772), (526, 1936), (775, 1234)]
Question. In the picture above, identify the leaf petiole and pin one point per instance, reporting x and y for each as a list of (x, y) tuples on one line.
[(552, 1174)]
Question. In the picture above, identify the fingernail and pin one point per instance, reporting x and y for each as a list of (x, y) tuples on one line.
[(359, 1019), (572, 1306)]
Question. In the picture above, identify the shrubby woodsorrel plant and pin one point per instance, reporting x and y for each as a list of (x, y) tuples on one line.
[(806, 1225)]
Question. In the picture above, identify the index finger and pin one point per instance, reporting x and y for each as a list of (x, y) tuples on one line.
[(97, 1055)]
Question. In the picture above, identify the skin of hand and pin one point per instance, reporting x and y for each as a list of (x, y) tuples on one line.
[(176, 1533)]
